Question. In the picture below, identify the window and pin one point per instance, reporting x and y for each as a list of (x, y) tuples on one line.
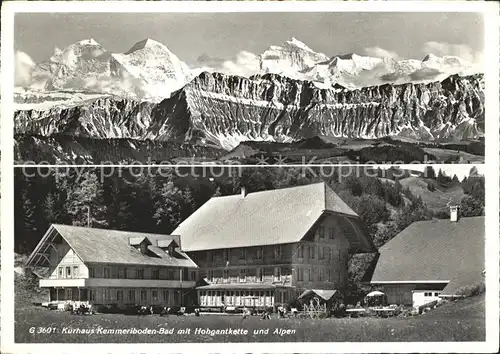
[(75, 272), (300, 251), (277, 251), (331, 233), (193, 275), (321, 232), (312, 251), (68, 272), (225, 274), (170, 274), (140, 273), (258, 253), (328, 253), (260, 274), (308, 275), (107, 295), (165, 296), (321, 252), (210, 275), (243, 275), (154, 295), (321, 274), (107, 272), (155, 274), (300, 274), (93, 295), (330, 275), (61, 272), (119, 295), (122, 273), (225, 255), (131, 295), (91, 272), (436, 294), (243, 254), (210, 255), (277, 273), (176, 297), (144, 295)]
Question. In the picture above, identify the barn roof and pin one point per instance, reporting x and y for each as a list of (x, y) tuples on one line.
[(110, 246), (266, 218), (434, 250)]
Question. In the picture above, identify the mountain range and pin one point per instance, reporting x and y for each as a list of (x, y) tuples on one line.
[(149, 70), (148, 93)]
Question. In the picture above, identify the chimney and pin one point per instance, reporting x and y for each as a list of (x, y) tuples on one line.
[(243, 192), (454, 213)]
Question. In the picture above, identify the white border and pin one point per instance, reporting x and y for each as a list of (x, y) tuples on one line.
[(490, 11)]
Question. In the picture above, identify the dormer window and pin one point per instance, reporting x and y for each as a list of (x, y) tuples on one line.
[(140, 243), (167, 245)]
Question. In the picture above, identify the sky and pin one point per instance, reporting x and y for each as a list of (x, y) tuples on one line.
[(219, 37)]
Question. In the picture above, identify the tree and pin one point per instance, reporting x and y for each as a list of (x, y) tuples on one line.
[(415, 211), (51, 209), (167, 209), (429, 172), (442, 178), (372, 209), (473, 172), (470, 206), (384, 234), (29, 222), (85, 202)]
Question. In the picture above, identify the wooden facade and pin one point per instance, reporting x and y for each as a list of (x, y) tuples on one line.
[(123, 285), (268, 275)]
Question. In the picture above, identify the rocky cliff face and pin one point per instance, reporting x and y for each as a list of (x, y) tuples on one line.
[(223, 110)]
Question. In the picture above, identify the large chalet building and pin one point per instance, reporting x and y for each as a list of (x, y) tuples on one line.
[(255, 250), (264, 248)]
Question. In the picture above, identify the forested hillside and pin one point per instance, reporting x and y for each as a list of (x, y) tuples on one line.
[(157, 200)]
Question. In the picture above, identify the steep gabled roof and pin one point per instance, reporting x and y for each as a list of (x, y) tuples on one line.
[(434, 250), (265, 218), (324, 294), (110, 246)]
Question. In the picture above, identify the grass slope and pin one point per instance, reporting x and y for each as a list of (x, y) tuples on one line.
[(436, 200), (458, 321)]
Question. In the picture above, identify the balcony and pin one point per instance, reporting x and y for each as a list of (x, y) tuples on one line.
[(139, 283), (63, 283), (116, 283)]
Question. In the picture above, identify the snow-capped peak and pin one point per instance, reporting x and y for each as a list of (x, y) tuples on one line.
[(431, 57), (294, 42), (290, 59), (147, 70), (146, 43), (90, 41)]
